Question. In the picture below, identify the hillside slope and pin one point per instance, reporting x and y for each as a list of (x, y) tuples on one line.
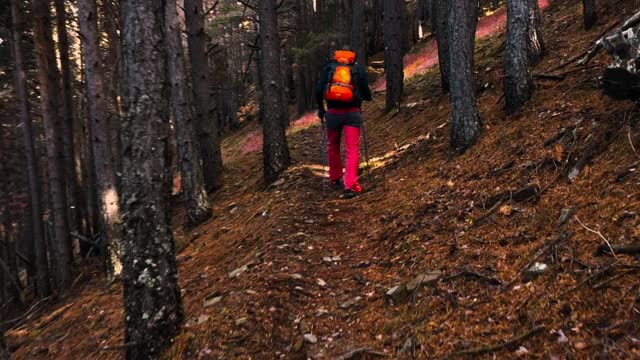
[(322, 267)]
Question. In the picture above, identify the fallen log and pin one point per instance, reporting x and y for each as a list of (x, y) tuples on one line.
[(628, 249)]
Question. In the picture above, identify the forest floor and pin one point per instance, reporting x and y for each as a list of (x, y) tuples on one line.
[(282, 262)]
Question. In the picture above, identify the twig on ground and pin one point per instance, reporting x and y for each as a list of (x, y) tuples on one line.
[(493, 348), (361, 353), (26, 314), (599, 234), (595, 275), (631, 142)]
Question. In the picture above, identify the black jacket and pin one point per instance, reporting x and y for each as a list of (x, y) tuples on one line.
[(361, 84)]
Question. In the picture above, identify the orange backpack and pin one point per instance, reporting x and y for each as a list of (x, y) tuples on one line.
[(340, 87)]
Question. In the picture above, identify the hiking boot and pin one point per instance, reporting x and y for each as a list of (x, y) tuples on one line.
[(337, 184), (349, 194), (358, 188)]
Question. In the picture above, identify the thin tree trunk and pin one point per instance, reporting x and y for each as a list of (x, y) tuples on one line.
[(153, 307), (192, 181), (590, 13), (275, 148), (465, 123), (206, 124), (517, 80), (441, 24), (108, 197), (358, 35), (535, 40), (112, 29), (49, 78), (69, 162), (39, 261), (393, 53)]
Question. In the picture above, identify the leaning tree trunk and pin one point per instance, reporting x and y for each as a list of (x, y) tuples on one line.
[(590, 13), (39, 265), (49, 78), (74, 193), (465, 122), (441, 25), (153, 308), (358, 31), (517, 80), (106, 180), (206, 124), (393, 52), (275, 148), (192, 181), (535, 39)]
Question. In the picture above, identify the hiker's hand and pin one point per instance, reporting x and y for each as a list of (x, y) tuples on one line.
[(321, 114)]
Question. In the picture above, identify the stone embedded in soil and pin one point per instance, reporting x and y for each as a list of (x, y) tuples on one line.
[(241, 321), (409, 345), (327, 259), (296, 276), (350, 303), (534, 271), (237, 272), (203, 319), (423, 279), (213, 301), (565, 216), (310, 338), (321, 282), (397, 294)]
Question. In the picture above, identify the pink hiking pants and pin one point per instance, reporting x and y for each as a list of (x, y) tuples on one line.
[(349, 123)]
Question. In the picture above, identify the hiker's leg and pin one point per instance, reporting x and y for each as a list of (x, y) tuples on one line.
[(335, 160), (352, 148)]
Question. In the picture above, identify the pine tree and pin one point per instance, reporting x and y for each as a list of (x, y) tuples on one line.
[(394, 53), (465, 123), (441, 26), (206, 124), (49, 79), (192, 182), (40, 267), (535, 39), (590, 13), (517, 80), (275, 148), (104, 168), (358, 35), (153, 307)]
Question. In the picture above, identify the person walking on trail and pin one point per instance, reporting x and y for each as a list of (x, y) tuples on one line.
[(344, 85)]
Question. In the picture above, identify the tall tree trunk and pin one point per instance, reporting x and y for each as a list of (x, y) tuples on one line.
[(69, 162), (114, 54), (376, 26), (206, 124), (107, 190), (393, 52), (465, 123), (441, 24), (39, 261), (535, 39), (517, 80), (4, 351), (192, 181), (153, 307), (358, 35), (590, 13), (275, 148), (49, 78)]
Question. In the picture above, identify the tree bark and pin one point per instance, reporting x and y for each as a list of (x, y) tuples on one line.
[(4, 351), (358, 35), (535, 39), (275, 148), (39, 261), (465, 123), (206, 124), (106, 180), (49, 78), (71, 176), (153, 307), (393, 53), (192, 181), (590, 13), (441, 25), (517, 80)]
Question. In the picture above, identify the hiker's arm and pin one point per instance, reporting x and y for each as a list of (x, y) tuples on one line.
[(365, 90), (320, 87)]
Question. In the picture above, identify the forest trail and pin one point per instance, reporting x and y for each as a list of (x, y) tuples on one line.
[(281, 262)]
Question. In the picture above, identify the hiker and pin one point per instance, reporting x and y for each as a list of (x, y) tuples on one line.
[(344, 85)]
